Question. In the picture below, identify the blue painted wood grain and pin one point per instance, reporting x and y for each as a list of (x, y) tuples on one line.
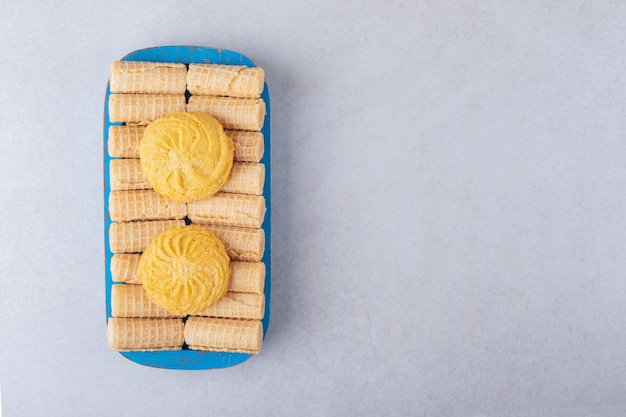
[(186, 358)]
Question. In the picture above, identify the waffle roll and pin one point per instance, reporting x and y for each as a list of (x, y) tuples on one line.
[(231, 112), (143, 205), (127, 174), (241, 243), (124, 141), (225, 80), (236, 305), (125, 268), (128, 300), (228, 210), (145, 334), (133, 237), (224, 335), (245, 178), (148, 77), (143, 108)]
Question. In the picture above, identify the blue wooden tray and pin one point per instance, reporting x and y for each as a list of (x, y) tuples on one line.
[(191, 359)]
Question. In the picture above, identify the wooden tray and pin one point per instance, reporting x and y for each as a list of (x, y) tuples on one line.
[(186, 358)]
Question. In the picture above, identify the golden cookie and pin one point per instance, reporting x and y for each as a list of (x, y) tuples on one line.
[(185, 269), (186, 156)]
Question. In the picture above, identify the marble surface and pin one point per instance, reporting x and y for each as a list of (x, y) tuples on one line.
[(449, 189)]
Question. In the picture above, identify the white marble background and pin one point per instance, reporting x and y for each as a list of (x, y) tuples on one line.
[(449, 208)]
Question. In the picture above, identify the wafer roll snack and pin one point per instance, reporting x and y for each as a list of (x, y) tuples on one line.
[(127, 174), (245, 178), (247, 277), (145, 334), (129, 237), (125, 268), (241, 243), (124, 141), (143, 108), (148, 77), (236, 305), (143, 205), (249, 146), (224, 335), (228, 209), (244, 276), (129, 300), (225, 80), (231, 112)]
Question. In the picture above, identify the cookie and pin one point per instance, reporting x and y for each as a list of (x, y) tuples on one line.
[(185, 269), (186, 156)]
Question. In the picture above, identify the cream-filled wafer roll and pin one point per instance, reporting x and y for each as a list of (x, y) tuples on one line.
[(128, 300), (245, 178), (225, 80), (148, 77), (236, 305), (125, 268), (244, 276), (124, 141), (130, 237), (143, 205), (145, 334), (127, 174), (143, 108), (231, 112), (249, 146), (241, 243), (224, 335), (228, 209), (247, 277)]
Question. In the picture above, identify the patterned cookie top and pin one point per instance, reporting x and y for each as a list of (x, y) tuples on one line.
[(185, 269), (186, 156)]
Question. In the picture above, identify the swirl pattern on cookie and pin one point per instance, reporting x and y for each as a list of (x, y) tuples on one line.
[(185, 269), (186, 156)]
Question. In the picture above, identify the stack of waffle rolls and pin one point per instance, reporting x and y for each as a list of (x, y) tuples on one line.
[(244, 178), (140, 93), (124, 143)]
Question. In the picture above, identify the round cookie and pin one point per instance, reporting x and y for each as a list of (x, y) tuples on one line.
[(185, 269), (186, 156)]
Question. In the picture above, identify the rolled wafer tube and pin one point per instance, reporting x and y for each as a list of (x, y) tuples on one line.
[(127, 174), (249, 146), (145, 334), (244, 276), (237, 305), (143, 108), (143, 205), (247, 277), (129, 237), (241, 243), (231, 112), (225, 80), (224, 335), (148, 77), (228, 209), (245, 178), (128, 300), (124, 141), (125, 268)]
